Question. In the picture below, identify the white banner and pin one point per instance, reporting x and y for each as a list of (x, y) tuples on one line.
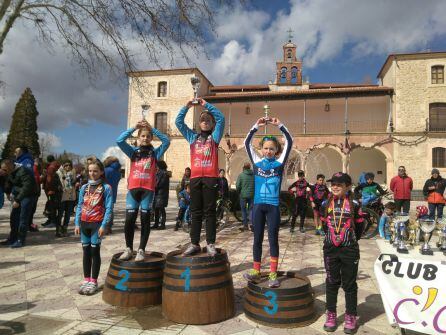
[(413, 292)]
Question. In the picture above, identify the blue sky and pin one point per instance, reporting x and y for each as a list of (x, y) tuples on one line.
[(339, 41)]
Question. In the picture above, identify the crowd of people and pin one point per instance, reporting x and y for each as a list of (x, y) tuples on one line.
[(90, 190)]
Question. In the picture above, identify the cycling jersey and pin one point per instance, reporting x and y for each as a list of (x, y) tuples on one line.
[(268, 171), (203, 151), (299, 188), (143, 159)]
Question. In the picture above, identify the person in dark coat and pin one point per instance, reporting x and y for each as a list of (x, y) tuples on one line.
[(112, 177), (161, 195), (433, 192), (53, 190), (21, 186), (245, 189)]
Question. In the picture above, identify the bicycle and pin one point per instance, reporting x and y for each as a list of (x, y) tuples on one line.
[(372, 214), (222, 216)]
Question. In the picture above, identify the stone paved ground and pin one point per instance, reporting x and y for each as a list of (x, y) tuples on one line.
[(38, 287)]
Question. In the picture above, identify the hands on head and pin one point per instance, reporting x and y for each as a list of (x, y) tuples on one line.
[(272, 120), (143, 124)]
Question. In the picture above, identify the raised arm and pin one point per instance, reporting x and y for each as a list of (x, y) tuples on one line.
[(187, 133), (288, 144), (248, 145), (123, 145), (165, 143), (217, 134)]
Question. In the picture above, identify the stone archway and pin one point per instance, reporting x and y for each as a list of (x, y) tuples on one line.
[(368, 160), (326, 160), (293, 164), (236, 162)]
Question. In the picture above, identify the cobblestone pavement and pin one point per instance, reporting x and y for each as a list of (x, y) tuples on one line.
[(38, 290)]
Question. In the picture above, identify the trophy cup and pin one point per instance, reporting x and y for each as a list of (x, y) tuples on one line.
[(145, 111), (413, 233), (427, 226), (400, 231), (195, 81), (442, 235)]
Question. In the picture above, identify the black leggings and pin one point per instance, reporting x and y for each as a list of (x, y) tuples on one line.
[(129, 228), (160, 216), (300, 209), (203, 193), (341, 266), (92, 260), (260, 214)]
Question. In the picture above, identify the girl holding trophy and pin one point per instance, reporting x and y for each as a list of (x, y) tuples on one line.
[(141, 181), (204, 170), (268, 172)]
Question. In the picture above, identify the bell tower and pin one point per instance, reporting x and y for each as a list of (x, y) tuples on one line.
[(289, 70)]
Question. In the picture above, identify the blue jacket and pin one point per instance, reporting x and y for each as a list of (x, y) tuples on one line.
[(268, 172), (108, 203), (184, 199), (26, 160), (112, 176), (2, 197), (384, 226), (191, 135)]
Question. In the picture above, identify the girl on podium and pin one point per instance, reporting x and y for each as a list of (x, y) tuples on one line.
[(141, 183), (268, 172), (204, 172), (343, 225)]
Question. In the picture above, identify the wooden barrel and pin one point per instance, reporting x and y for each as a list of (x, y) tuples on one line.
[(135, 284), (198, 289), (289, 306)]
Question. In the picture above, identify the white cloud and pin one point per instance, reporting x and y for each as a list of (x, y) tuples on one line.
[(114, 151)]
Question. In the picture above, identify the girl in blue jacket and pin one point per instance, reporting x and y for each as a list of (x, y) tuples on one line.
[(268, 172)]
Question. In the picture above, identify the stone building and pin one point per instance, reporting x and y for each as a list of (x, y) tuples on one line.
[(348, 127)]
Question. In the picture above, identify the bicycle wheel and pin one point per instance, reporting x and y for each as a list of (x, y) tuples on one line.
[(285, 213), (371, 221), (222, 218)]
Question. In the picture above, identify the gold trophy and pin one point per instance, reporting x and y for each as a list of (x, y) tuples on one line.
[(145, 111)]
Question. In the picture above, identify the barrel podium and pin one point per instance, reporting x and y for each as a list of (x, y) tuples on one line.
[(134, 284), (289, 306), (198, 289)]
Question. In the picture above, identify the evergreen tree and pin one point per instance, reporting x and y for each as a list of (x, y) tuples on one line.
[(23, 130)]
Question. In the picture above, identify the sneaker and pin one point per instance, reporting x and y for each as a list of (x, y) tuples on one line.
[(83, 286), (46, 223), (210, 248), (350, 323), (317, 232), (91, 288), (252, 275), (140, 255), (191, 250), (302, 230), (64, 231), (33, 227), (58, 231), (330, 324), (17, 244), (126, 255), (273, 282)]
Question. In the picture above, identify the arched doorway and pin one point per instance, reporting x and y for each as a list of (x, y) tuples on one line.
[(236, 162), (324, 160), (368, 160), (293, 165)]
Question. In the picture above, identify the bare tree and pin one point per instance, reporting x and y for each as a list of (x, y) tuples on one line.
[(47, 143), (113, 32)]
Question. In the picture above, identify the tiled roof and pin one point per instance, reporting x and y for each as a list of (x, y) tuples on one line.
[(297, 93)]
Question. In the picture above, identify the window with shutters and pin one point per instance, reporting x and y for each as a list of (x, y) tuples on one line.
[(437, 74), (162, 89), (161, 122), (438, 157), (437, 116)]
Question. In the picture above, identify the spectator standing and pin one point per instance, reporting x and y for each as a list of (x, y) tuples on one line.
[(37, 170), (401, 186), (67, 177), (21, 186), (53, 190), (433, 192), (245, 190), (223, 186), (112, 177), (161, 195)]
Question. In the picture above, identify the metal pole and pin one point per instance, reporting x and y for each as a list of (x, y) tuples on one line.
[(346, 115), (305, 116), (229, 123)]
